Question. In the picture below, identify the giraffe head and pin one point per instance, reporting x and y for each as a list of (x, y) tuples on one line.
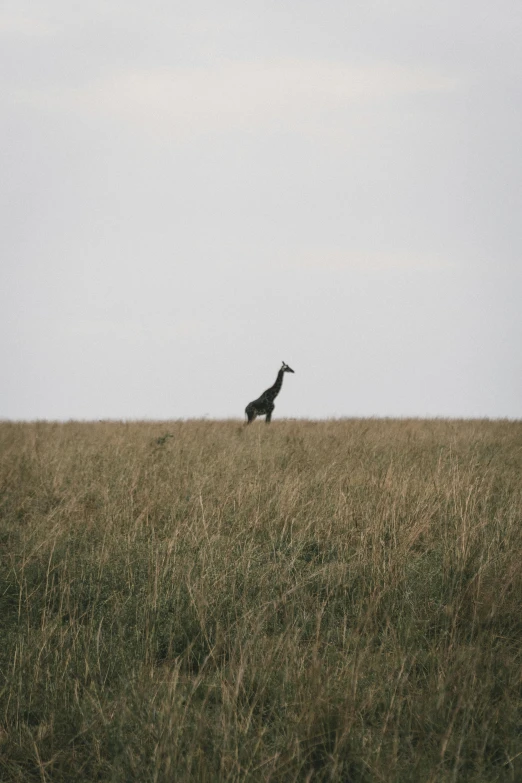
[(286, 368)]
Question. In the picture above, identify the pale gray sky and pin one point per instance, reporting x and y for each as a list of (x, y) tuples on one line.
[(193, 192)]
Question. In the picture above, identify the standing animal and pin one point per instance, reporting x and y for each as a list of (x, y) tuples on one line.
[(264, 405)]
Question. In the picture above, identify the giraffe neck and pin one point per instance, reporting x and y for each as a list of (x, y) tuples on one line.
[(274, 390)]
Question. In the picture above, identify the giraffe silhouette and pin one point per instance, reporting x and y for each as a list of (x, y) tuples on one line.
[(264, 405)]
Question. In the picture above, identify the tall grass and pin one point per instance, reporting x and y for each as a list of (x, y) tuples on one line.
[(204, 601)]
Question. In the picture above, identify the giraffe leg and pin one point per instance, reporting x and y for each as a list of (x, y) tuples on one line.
[(269, 412), (251, 413)]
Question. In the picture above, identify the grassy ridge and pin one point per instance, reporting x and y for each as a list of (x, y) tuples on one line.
[(307, 601)]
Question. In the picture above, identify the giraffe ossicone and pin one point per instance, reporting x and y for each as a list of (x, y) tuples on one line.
[(264, 405)]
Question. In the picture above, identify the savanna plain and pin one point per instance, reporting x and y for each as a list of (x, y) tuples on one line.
[(305, 601)]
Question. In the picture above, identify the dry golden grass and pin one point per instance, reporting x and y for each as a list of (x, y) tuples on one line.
[(201, 601)]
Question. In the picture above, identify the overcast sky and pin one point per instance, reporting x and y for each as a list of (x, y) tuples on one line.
[(193, 192)]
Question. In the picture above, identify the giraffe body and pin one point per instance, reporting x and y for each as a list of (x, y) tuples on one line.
[(264, 405)]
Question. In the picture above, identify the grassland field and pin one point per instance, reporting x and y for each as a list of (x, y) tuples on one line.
[(306, 601)]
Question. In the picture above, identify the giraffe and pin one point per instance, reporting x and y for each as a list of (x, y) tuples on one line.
[(264, 405)]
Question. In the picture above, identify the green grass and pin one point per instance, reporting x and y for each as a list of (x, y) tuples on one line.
[(325, 601)]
